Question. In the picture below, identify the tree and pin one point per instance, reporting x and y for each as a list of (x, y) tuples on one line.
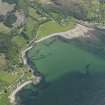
[(102, 11)]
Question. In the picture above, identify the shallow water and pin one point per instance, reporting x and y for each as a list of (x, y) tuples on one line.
[(73, 76)]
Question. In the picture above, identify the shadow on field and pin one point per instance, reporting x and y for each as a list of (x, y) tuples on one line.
[(72, 89)]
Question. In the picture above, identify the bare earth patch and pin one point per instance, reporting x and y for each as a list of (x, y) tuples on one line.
[(79, 31), (5, 8)]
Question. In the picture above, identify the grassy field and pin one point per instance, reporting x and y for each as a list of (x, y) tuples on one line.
[(53, 27), (3, 28), (33, 13), (58, 58), (4, 99), (19, 41), (9, 79)]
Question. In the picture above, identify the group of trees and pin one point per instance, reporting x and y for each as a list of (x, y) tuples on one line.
[(102, 11), (88, 10)]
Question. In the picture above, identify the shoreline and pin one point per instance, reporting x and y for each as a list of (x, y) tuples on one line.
[(13, 95), (78, 31)]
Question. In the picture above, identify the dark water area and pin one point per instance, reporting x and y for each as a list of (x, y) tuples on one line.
[(72, 75), (71, 89)]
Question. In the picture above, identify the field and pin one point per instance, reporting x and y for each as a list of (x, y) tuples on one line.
[(3, 28), (4, 99), (7, 79), (53, 27), (10, 79)]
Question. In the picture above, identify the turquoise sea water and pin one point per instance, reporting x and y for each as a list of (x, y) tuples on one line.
[(73, 76)]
